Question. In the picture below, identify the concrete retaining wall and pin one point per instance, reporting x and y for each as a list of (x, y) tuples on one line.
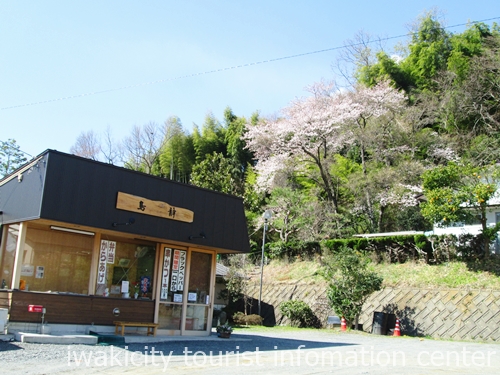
[(452, 313)]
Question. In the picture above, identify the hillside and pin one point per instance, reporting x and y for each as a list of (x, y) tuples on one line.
[(411, 274)]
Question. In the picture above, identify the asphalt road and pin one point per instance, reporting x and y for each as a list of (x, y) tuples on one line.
[(274, 352)]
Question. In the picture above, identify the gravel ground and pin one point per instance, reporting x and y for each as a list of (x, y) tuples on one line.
[(259, 352)]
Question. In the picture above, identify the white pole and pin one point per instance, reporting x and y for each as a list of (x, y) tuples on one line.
[(267, 216)]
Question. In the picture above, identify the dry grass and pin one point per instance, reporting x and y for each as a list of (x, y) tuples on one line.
[(411, 274), (292, 272), (447, 275)]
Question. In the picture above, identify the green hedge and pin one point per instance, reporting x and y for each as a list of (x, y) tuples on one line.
[(392, 248), (384, 249), (292, 249)]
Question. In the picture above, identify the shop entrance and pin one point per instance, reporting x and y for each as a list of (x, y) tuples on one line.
[(185, 295)]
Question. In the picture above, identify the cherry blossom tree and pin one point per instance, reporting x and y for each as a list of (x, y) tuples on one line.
[(312, 129), (370, 115), (309, 131)]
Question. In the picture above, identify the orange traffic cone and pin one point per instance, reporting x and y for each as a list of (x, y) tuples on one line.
[(397, 330), (343, 324)]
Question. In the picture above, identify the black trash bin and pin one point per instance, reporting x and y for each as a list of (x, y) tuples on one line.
[(379, 325), (390, 323)]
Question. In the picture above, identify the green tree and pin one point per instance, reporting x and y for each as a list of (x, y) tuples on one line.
[(460, 193), (211, 138), (429, 50), (472, 42), (216, 173), (177, 155), (288, 207), (386, 68), (426, 55), (241, 157), (350, 282), (11, 157), (237, 280)]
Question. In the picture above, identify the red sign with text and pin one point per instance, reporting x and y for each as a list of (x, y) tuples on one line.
[(35, 308)]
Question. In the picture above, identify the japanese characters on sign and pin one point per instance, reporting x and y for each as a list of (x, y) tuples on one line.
[(165, 274), (103, 257), (111, 251), (178, 271), (182, 270), (141, 205), (175, 271), (106, 255)]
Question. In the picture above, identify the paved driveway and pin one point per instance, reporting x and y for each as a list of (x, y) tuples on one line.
[(265, 351)]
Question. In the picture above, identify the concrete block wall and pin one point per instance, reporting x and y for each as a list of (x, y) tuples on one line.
[(439, 313)]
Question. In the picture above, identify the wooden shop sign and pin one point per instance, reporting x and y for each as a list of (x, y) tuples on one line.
[(133, 203)]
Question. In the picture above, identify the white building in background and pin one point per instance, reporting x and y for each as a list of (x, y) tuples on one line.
[(475, 228)]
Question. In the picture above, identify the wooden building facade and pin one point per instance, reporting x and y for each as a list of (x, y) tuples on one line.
[(93, 243)]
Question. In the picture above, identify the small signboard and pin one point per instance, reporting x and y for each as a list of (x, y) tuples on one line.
[(35, 308), (165, 274), (40, 272), (125, 286), (103, 257), (28, 270), (111, 251)]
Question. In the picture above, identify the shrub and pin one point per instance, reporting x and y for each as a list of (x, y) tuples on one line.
[(299, 313), (293, 249), (397, 249), (350, 282), (239, 318), (247, 320), (253, 320)]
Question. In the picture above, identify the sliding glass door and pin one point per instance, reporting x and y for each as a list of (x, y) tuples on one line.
[(199, 296), (171, 301), (185, 292)]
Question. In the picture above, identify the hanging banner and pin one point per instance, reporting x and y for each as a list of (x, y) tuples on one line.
[(182, 270), (103, 257), (111, 251), (175, 271), (145, 284), (165, 274)]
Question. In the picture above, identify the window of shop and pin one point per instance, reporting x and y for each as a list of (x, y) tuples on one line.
[(7, 256), (126, 269), (56, 261)]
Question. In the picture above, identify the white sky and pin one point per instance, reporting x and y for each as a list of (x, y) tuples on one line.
[(52, 49)]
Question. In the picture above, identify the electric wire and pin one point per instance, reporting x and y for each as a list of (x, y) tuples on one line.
[(155, 82)]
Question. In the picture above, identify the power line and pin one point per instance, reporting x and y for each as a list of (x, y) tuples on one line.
[(228, 68)]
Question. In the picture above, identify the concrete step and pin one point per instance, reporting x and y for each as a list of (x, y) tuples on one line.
[(37, 338)]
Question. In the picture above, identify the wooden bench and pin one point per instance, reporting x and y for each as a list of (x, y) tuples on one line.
[(120, 327)]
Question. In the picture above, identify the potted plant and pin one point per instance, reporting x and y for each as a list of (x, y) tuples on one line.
[(136, 288), (224, 331)]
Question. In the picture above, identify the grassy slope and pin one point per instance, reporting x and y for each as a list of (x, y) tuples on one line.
[(448, 275)]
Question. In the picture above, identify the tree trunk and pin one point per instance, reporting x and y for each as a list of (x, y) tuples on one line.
[(486, 239)]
